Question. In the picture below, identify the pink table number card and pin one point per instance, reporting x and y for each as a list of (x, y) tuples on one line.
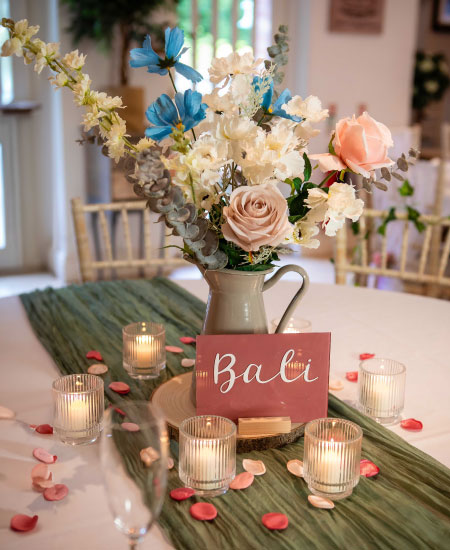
[(252, 375)]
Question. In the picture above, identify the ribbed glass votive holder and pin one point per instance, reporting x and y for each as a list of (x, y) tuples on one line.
[(207, 454), (144, 349), (332, 453), (381, 389), (295, 325), (78, 404)]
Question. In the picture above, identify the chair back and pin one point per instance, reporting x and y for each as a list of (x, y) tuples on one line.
[(419, 270), (97, 251)]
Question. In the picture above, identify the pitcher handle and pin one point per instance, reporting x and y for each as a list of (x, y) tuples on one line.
[(298, 296)]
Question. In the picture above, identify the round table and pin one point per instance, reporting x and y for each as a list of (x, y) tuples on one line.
[(411, 329)]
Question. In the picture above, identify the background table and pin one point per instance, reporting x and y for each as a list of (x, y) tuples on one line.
[(411, 329)]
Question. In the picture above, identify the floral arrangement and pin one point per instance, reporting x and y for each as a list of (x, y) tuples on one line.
[(431, 79), (212, 166)]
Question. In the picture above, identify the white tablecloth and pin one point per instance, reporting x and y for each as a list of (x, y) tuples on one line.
[(410, 329)]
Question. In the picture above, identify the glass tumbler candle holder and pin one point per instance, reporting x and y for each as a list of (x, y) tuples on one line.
[(332, 453), (78, 404), (295, 325), (144, 349), (207, 454), (381, 389)]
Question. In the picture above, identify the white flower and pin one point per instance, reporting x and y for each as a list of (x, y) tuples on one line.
[(217, 102), (431, 86), (233, 64), (144, 144), (289, 165), (91, 117), (74, 60), (304, 231), (305, 131), (46, 54), (105, 101), (23, 31), (241, 87), (207, 153), (115, 135), (81, 90), (309, 109), (60, 80), (236, 130), (12, 46)]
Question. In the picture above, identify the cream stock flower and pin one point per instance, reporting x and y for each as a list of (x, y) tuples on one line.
[(219, 102), (12, 46), (105, 101), (235, 63), (304, 231), (241, 87), (23, 31), (256, 216), (46, 54), (144, 144), (60, 80), (310, 108), (115, 135), (74, 60), (81, 89)]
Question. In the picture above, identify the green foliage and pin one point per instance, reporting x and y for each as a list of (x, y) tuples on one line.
[(296, 203), (390, 217), (331, 146), (278, 53), (406, 190), (355, 227), (431, 79), (308, 168), (413, 216)]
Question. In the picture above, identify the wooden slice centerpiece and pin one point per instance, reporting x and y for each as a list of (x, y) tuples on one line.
[(173, 398)]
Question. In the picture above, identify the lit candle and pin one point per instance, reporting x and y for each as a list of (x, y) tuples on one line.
[(330, 467), (145, 350), (207, 464), (379, 394), (79, 415)]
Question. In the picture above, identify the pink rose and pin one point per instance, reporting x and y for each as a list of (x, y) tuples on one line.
[(257, 216), (360, 144)]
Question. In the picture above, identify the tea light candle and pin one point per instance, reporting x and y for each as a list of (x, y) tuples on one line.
[(294, 326), (381, 389), (78, 403), (207, 454), (332, 453), (144, 352)]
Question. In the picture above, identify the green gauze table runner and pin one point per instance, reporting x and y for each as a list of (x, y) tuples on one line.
[(407, 506)]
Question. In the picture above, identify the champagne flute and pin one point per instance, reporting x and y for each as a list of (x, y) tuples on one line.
[(135, 482)]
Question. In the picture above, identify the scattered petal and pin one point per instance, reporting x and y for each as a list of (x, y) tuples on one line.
[(21, 522), (368, 468), (181, 493), (321, 502), (130, 427), (93, 354), (187, 340), (203, 511), (57, 492), (411, 424), (98, 368), (364, 356), (119, 387), (335, 385), (40, 484), (120, 411), (187, 362), (44, 456), (174, 349), (352, 376), (32, 426), (6, 413), (275, 521), (242, 481), (44, 429), (255, 467), (170, 463), (149, 455), (40, 471), (295, 467)]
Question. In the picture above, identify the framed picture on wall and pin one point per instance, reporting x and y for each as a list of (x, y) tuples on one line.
[(357, 16), (441, 15)]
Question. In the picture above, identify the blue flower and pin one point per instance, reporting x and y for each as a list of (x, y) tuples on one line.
[(165, 116), (276, 108), (147, 57)]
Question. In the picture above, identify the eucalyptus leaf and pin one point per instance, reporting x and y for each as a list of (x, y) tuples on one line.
[(385, 173), (402, 164), (380, 185), (398, 176)]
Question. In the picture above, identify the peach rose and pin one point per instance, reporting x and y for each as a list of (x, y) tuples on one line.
[(360, 144), (257, 216)]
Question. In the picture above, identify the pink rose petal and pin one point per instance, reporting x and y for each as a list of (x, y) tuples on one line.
[(170, 463), (368, 468), (352, 376), (21, 522), (203, 511), (33, 426), (255, 467), (174, 349), (242, 481), (93, 354), (187, 340), (98, 369), (40, 485), (6, 413), (411, 424), (186, 363), (40, 471), (181, 493), (335, 385), (44, 456), (57, 492), (119, 411), (130, 426), (119, 387), (44, 429), (321, 502), (275, 521), (365, 356)]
